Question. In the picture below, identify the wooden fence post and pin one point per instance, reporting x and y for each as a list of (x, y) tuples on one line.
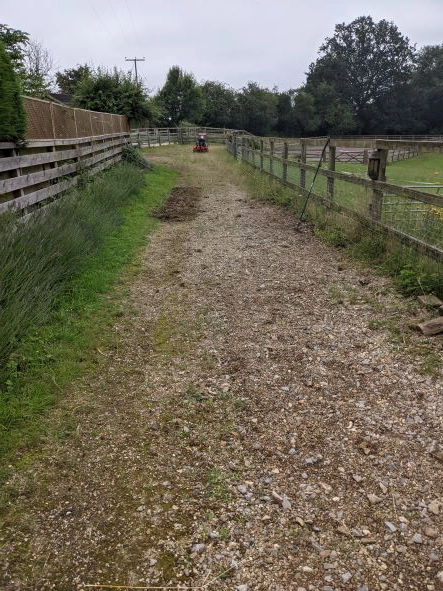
[(75, 123), (271, 156), (261, 155), (285, 161), (330, 183), (51, 110), (376, 205), (303, 161), (234, 145), (169, 136)]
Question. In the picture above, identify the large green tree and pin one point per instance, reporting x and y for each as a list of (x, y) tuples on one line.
[(287, 124), (257, 109), (427, 89), (15, 42), (332, 115), (220, 104), (114, 91), (305, 114), (181, 98), (12, 114), (69, 78), (365, 63)]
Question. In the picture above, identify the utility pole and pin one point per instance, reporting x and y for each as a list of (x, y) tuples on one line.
[(135, 60)]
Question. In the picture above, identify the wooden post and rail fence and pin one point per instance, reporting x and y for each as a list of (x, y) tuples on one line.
[(413, 216)]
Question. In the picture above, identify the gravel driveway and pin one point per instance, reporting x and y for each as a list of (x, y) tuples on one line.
[(266, 421)]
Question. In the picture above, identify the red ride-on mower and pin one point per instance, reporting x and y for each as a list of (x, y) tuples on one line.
[(201, 143)]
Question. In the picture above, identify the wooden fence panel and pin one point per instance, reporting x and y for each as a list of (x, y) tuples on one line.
[(45, 168)]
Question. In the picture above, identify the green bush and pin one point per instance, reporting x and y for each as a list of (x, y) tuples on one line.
[(416, 281), (131, 155), (12, 112)]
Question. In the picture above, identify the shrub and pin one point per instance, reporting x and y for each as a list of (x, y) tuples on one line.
[(12, 113), (131, 155)]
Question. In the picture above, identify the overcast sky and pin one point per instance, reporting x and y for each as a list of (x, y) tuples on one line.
[(271, 42)]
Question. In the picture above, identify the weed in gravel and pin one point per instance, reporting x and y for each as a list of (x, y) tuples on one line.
[(429, 360), (333, 236), (161, 334), (299, 533), (375, 324), (225, 429), (224, 534), (217, 484), (353, 297), (208, 361), (194, 394), (372, 300), (336, 294)]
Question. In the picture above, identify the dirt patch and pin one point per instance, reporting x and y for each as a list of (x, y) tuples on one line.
[(181, 205)]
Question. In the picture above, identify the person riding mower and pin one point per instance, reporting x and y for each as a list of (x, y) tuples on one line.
[(201, 144)]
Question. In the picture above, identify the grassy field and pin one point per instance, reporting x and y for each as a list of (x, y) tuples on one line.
[(423, 169), (80, 320)]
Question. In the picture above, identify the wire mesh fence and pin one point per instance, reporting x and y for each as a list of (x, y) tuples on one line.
[(49, 120)]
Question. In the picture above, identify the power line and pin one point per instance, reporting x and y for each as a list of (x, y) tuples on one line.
[(132, 20), (117, 18), (102, 21), (135, 60)]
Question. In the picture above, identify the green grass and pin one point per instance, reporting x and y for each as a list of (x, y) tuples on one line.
[(80, 321), (426, 168)]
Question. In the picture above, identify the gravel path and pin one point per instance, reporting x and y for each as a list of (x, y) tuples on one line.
[(264, 422)]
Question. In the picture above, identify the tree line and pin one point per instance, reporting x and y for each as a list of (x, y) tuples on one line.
[(367, 79)]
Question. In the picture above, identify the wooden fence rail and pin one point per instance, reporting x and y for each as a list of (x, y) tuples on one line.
[(160, 136), (34, 175)]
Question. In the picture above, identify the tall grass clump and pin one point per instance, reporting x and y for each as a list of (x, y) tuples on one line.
[(40, 253)]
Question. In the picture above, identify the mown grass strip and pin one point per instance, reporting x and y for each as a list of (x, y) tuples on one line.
[(65, 347)]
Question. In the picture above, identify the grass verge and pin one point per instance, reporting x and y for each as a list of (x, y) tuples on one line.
[(81, 321)]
